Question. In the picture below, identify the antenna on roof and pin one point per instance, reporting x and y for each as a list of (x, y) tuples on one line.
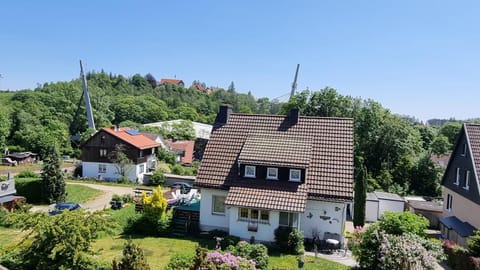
[(88, 105), (294, 84)]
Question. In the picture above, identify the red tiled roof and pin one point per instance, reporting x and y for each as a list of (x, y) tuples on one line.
[(172, 81), (269, 198), (139, 141), (473, 135), (186, 146), (324, 146)]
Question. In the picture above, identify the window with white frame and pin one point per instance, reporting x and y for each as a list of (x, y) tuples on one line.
[(103, 152), (272, 173), (448, 207), (457, 177), (218, 205), (295, 175), (254, 215), (142, 168), (102, 168), (287, 219), (249, 171), (141, 153), (467, 180), (464, 151)]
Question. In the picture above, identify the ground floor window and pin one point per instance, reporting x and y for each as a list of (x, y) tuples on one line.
[(218, 205), (102, 168), (287, 219), (254, 215)]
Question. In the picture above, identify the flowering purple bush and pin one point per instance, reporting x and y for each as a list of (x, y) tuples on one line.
[(227, 261)]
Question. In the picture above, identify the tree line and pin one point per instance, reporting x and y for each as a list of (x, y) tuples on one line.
[(394, 150)]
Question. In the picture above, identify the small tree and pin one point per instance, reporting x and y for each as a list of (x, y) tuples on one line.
[(120, 160), (474, 244), (360, 195), (52, 178), (133, 258)]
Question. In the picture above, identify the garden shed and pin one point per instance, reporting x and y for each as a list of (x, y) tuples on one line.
[(379, 202)]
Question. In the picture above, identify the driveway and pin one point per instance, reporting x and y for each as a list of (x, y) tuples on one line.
[(100, 202)]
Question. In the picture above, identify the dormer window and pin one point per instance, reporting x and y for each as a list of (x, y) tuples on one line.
[(464, 151), (467, 180), (250, 171), (295, 175), (272, 173), (457, 178)]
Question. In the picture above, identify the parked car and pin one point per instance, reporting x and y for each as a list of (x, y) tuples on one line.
[(181, 185), (60, 207)]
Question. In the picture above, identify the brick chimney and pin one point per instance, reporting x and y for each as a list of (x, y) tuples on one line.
[(294, 115), (223, 114)]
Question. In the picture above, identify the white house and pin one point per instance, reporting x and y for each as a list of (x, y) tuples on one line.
[(99, 154), (260, 172)]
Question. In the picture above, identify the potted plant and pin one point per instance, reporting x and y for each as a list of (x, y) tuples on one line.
[(301, 261)]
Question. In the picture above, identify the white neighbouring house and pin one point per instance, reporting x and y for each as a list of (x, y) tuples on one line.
[(260, 172), (98, 154)]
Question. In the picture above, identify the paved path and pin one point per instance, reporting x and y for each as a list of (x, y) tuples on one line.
[(100, 202)]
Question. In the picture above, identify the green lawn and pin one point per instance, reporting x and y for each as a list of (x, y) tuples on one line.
[(81, 194)]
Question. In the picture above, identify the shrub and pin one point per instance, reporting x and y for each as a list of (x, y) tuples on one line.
[(158, 178), (281, 238), (474, 244), (29, 188), (229, 240), (178, 169), (255, 252), (27, 174), (458, 257), (126, 198), (180, 262), (77, 172), (295, 242), (133, 258), (400, 223), (124, 180)]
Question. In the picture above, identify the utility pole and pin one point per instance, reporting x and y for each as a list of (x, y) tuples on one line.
[(294, 84)]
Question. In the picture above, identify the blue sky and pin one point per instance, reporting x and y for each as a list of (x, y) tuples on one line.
[(419, 58)]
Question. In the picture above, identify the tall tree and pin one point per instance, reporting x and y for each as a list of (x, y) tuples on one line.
[(52, 178), (231, 87), (360, 193), (451, 131), (151, 80), (120, 160)]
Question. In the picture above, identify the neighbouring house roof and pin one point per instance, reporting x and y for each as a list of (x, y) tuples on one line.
[(388, 196), (184, 146), (20, 155), (324, 146), (202, 131), (441, 160), (132, 137), (426, 206), (464, 229), (171, 81), (199, 87), (157, 138)]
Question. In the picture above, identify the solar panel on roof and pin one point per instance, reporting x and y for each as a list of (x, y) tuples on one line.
[(132, 132)]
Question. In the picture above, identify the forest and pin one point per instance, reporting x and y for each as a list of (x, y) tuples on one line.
[(395, 150)]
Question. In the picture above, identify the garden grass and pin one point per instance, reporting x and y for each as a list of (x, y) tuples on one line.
[(81, 194), (287, 262)]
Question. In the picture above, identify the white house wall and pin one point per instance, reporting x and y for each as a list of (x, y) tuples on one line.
[(333, 218), (264, 233), (208, 220), (371, 211), (90, 169)]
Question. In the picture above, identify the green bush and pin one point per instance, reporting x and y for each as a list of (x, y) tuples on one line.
[(158, 178), (126, 198), (180, 262), (458, 258), (400, 223), (474, 244), (229, 240), (295, 242), (27, 174), (256, 252), (124, 180), (281, 238), (30, 189)]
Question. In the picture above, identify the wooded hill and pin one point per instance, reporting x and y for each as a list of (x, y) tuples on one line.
[(395, 150)]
